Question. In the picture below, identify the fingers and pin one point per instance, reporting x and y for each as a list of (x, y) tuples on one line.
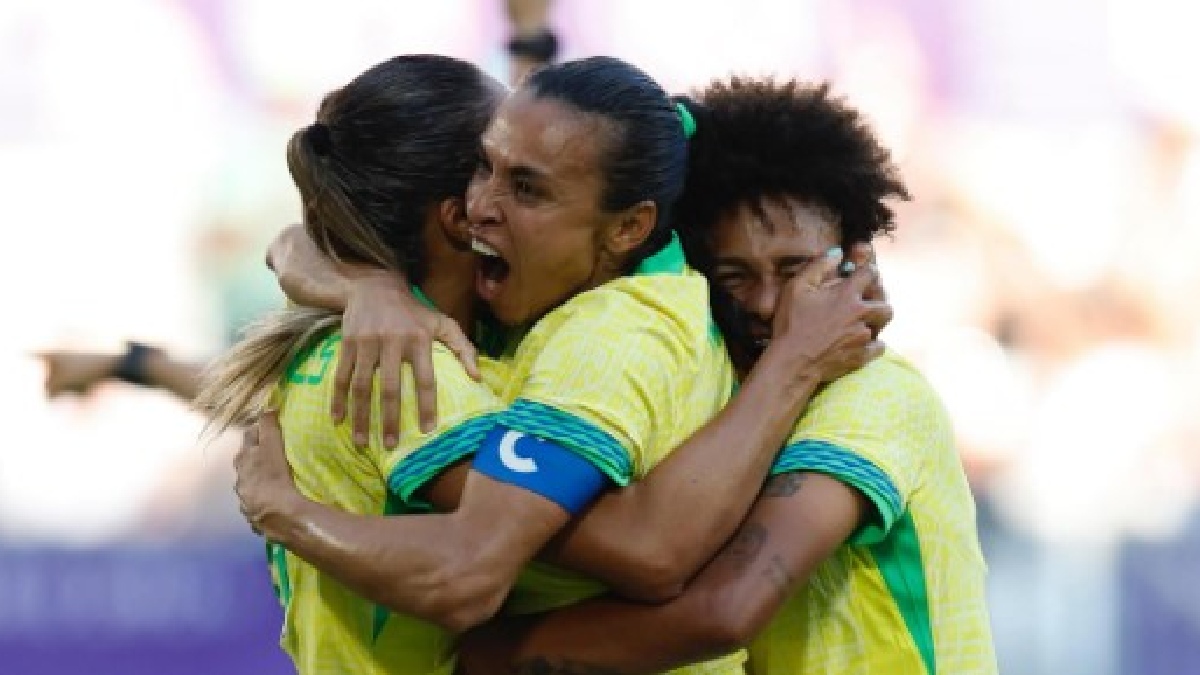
[(390, 360), (449, 334), (862, 254), (360, 391), (250, 436), (821, 270), (341, 380), (862, 278), (877, 315), (270, 434), (874, 350), (426, 386)]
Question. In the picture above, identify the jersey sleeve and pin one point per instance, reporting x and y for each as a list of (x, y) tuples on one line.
[(466, 411), (873, 430), (601, 383)]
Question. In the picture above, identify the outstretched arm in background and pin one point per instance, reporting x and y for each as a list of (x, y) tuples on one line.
[(77, 372)]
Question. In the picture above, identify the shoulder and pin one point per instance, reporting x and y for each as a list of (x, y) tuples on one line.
[(666, 306), (889, 384), (888, 403)]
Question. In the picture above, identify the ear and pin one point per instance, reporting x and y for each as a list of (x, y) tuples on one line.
[(452, 217), (631, 228)]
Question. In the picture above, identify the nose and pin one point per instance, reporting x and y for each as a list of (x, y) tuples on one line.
[(763, 299), (482, 207)]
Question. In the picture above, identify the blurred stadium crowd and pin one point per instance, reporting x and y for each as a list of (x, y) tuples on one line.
[(1042, 276)]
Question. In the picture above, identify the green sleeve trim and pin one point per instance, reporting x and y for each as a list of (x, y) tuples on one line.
[(578, 435), (898, 558), (854, 470), (393, 506), (427, 461), (277, 554)]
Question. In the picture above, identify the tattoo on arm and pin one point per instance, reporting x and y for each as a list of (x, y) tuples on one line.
[(778, 573), (545, 666), (746, 545), (783, 485)]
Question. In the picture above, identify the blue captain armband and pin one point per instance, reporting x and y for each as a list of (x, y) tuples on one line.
[(543, 467)]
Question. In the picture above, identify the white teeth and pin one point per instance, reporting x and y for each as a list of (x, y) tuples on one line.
[(482, 248)]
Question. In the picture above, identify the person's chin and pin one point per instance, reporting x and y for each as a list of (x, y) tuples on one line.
[(508, 314)]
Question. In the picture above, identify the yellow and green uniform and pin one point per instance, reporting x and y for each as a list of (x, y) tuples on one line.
[(621, 374), (905, 595), (329, 630)]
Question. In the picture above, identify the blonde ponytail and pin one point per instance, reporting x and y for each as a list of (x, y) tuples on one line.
[(237, 387)]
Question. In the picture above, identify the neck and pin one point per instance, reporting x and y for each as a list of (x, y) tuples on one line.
[(450, 279), (453, 294)]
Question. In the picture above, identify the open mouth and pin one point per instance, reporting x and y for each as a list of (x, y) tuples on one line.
[(493, 269)]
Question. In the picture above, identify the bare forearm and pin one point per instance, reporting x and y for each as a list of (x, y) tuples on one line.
[(789, 533), (311, 278), (614, 636), (609, 637), (679, 515), (181, 378), (528, 16), (452, 569), (400, 563)]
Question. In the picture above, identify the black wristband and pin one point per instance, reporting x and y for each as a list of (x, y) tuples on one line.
[(541, 46), (132, 366)]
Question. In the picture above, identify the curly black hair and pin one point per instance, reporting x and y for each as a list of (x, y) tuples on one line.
[(759, 139)]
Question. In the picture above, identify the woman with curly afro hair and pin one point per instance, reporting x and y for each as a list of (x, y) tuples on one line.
[(861, 554)]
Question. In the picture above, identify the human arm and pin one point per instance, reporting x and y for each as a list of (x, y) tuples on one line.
[(452, 569), (78, 372), (384, 326), (872, 432), (625, 542), (798, 521), (532, 43), (646, 540)]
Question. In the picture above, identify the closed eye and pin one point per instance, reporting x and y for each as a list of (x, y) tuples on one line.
[(792, 265), (731, 278)]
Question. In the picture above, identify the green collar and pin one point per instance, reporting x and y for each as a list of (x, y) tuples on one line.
[(420, 295), (668, 260)]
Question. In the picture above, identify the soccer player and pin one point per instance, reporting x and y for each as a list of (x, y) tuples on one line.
[(361, 206), (860, 555), (553, 220)]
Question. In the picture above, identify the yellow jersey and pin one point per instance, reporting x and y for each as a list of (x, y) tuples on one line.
[(905, 595), (328, 629), (621, 374)]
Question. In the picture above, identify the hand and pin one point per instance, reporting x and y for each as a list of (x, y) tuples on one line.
[(76, 373), (385, 326), (864, 255), (828, 326), (264, 483)]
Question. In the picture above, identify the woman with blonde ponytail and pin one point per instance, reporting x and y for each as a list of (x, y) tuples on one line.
[(381, 174)]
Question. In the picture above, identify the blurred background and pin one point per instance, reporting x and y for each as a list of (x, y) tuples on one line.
[(1044, 277)]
